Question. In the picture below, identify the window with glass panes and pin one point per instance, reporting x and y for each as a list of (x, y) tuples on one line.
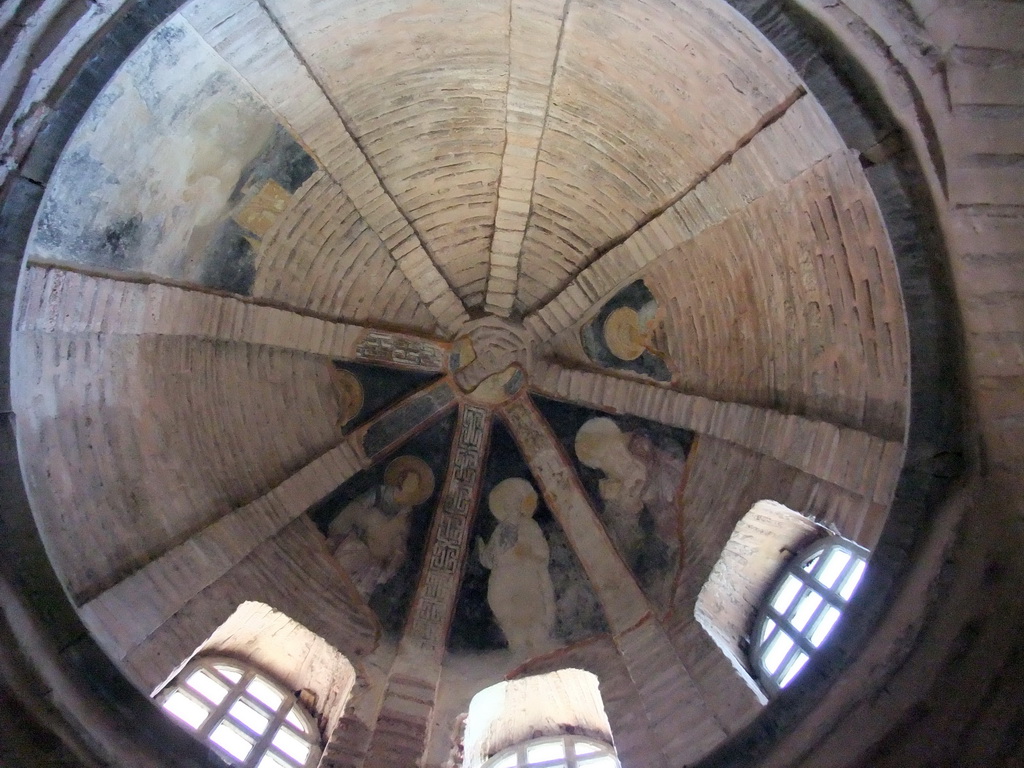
[(556, 752), (245, 716), (803, 607)]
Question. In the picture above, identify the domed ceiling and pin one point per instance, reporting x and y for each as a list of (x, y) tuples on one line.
[(474, 315)]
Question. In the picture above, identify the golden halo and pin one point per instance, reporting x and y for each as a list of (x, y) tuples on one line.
[(403, 464), (622, 334), (350, 393)]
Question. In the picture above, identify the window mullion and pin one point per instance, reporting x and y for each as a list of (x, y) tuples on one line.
[(840, 601), (811, 588), (833, 598), (216, 712), (776, 617), (264, 742), (237, 691), (813, 620), (234, 693), (782, 623), (805, 577), (804, 643)]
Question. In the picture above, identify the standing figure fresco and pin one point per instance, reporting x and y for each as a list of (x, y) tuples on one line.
[(519, 589), (638, 494), (628, 334), (369, 536)]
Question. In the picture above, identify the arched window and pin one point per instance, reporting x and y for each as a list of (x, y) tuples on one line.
[(803, 607), (244, 715), (552, 720), (557, 752)]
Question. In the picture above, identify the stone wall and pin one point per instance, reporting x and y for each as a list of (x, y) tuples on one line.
[(935, 683)]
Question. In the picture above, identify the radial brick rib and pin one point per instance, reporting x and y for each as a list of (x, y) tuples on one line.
[(181, 572), (812, 446), (150, 306), (622, 600), (251, 41), (535, 30), (664, 684), (797, 123), (412, 684)]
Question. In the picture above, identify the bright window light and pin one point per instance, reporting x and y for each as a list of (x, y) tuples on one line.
[(797, 664), (249, 719), (272, 760), (825, 624), (556, 752), (186, 709), (291, 744), (800, 612), (249, 716), (784, 597), (203, 682), (834, 565), (232, 739), (540, 753), (234, 674), (777, 651), (809, 603), (265, 693), (846, 591)]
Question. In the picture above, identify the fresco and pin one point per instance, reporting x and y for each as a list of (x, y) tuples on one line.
[(628, 334), (178, 170), (376, 524), (364, 391), (520, 592), (634, 471), (524, 589), (369, 535)]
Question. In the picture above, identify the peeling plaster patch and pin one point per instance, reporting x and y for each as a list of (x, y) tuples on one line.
[(177, 170)]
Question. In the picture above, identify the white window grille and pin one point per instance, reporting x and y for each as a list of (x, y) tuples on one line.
[(556, 752), (803, 607), (245, 716)]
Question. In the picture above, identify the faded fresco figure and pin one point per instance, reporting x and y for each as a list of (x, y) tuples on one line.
[(639, 493), (628, 334), (519, 589), (368, 537), (349, 394)]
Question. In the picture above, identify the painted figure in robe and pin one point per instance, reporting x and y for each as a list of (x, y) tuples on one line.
[(519, 588), (369, 536), (639, 495)]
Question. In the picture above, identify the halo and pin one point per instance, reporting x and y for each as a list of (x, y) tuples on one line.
[(349, 391), (622, 334), (506, 498), (418, 467), (591, 434)]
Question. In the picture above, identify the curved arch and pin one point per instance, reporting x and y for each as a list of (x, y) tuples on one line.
[(248, 717)]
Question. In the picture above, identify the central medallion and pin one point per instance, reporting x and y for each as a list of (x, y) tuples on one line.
[(491, 361)]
